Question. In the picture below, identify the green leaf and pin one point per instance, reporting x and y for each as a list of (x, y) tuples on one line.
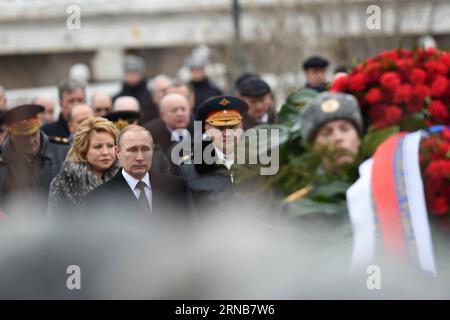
[(289, 114), (374, 138), (308, 206)]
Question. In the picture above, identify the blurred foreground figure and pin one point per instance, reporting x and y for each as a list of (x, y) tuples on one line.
[(30, 160), (232, 258), (135, 192)]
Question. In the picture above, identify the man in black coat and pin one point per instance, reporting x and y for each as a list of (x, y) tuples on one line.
[(316, 73), (212, 181), (136, 192), (30, 161), (71, 93), (203, 87), (261, 105), (135, 85)]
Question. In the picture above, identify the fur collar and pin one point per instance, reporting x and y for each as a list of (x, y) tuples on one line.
[(76, 180)]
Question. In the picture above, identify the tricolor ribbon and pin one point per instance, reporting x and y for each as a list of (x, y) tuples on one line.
[(387, 206)]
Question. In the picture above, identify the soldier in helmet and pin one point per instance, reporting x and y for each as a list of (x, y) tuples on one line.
[(30, 159)]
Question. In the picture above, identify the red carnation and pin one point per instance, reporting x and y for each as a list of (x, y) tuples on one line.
[(390, 80), (340, 83), (438, 111), (417, 76), (373, 96), (357, 82), (439, 86), (403, 93)]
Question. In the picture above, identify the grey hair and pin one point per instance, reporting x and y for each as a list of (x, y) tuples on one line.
[(69, 85), (156, 79)]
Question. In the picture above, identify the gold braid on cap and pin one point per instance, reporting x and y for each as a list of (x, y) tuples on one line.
[(120, 124), (224, 118), (25, 127)]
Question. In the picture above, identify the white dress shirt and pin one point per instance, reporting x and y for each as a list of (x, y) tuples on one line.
[(226, 159), (132, 182), (176, 135)]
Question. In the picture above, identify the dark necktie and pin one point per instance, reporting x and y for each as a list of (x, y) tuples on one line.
[(143, 197)]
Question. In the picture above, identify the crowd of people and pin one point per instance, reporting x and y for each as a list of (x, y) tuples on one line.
[(114, 158)]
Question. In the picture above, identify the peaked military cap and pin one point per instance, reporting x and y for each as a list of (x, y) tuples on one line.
[(222, 111), (121, 119), (23, 120)]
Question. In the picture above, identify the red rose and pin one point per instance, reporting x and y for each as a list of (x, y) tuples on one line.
[(404, 64), (357, 82), (417, 76), (393, 114), (440, 206), (420, 92), (438, 111), (376, 112), (403, 93), (435, 66), (390, 80), (439, 86), (390, 54), (430, 51), (340, 83), (446, 134), (445, 58), (373, 96), (438, 169)]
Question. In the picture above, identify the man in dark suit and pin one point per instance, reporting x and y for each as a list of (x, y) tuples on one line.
[(135, 192), (173, 124)]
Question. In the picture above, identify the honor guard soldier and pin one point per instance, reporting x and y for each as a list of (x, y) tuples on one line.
[(30, 160), (212, 182)]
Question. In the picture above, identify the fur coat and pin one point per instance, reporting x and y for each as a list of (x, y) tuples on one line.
[(69, 188)]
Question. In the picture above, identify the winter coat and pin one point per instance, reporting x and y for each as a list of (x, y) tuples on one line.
[(69, 188), (29, 178)]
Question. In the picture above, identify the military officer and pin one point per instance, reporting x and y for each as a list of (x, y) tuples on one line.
[(212, 182), (30, 160)]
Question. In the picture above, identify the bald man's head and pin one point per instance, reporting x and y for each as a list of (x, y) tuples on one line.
[(78, 114), (175, 111), (126, 103), (48, 115), (101, 104)]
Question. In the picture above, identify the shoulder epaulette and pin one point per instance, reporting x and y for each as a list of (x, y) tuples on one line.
[(61, 140)]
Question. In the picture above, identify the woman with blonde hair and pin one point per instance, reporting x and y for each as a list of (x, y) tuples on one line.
[(91, 161)]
